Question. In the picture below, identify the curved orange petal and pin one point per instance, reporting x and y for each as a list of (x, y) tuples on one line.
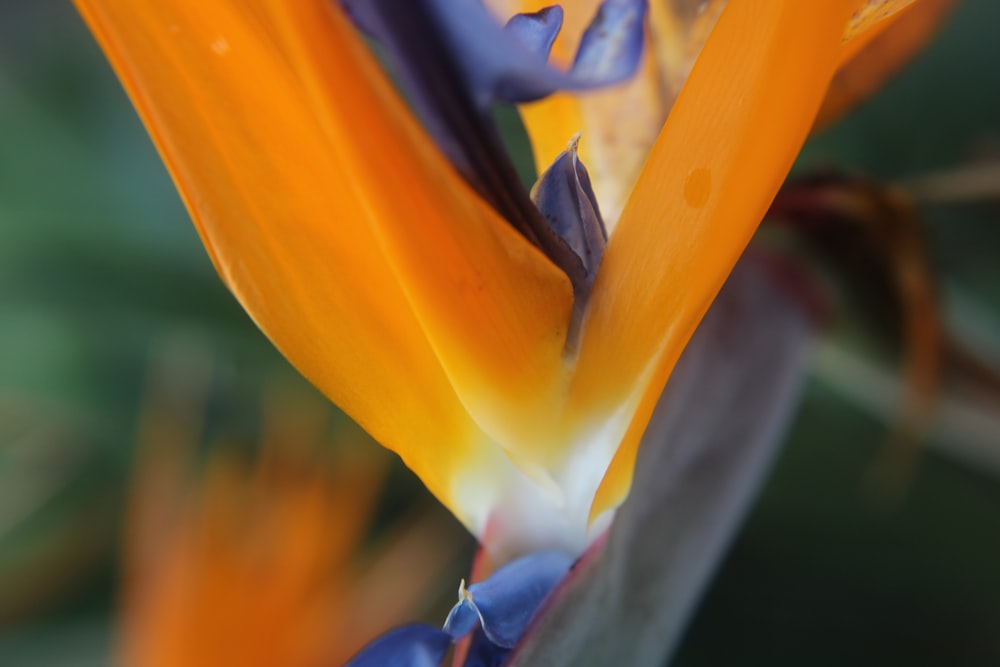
[(729, 142), (493, 308), (348, 238), (621, 124)]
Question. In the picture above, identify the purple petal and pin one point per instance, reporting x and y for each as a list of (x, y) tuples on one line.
[(455, 62), (484, 653), (433, 71), (506, 602), (565, 198), (463, 617), (612, 45), (503, 64), (536, 31), (408, 646)]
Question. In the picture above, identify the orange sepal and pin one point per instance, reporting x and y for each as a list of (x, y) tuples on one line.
[(331, 216), (731, 138)]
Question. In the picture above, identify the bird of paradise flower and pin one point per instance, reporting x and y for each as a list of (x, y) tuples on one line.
[(411, 293)]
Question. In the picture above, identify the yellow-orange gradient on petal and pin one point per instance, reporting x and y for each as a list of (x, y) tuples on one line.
[(729, 142), (348, 238), (372, 265), (616, 143)]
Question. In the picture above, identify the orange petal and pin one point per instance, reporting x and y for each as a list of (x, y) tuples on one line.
[(348, 238), (493, 308), (881, 55), (729, 142)]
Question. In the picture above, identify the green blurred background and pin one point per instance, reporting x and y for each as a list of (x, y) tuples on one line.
[(102, 278)]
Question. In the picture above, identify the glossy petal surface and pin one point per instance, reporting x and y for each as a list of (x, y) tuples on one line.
[(729, 142), (456, 63), (348, 238), (397, 288)]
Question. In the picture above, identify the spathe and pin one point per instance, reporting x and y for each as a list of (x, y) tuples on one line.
[(706, 451)]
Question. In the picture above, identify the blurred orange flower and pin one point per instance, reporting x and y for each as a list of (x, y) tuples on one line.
[(267, 563)]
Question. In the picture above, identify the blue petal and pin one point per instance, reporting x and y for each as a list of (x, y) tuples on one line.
[(612, 45), (455, 62), (408, 646), (536, 31), (565, 198), (609, 53), (484, 653), (432, 71), (498, 65), (503, 64), (506, 602), (463, 617)]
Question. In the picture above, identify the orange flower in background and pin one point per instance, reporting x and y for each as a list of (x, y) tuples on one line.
[(395, 287), (265, 561)]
